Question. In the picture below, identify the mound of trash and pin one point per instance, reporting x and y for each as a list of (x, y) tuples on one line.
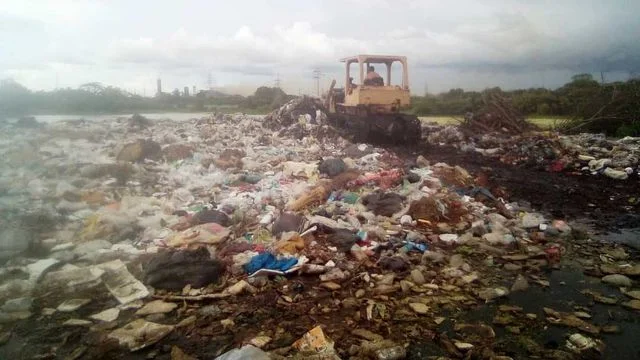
[(496, 115), (304, 109), (210, 235)]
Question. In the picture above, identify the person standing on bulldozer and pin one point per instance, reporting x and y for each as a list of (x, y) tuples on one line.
[(373, 78)]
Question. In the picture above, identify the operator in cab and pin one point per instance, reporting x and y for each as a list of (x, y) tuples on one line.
[(373, 78)]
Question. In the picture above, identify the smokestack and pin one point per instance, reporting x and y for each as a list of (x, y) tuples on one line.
[(159, 86), (186, 91)]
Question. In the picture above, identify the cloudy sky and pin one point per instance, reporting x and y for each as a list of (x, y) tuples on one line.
[(240, 44)]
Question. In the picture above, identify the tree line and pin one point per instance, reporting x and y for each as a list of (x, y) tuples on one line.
[(590, 105), (91, 98), (577, 98)]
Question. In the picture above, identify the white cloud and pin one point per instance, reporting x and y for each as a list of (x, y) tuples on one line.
[(246, 42)]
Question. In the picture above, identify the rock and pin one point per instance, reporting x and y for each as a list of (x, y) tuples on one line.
[(391, 353), (367, 335), (77, 322), (595, 165), (342, 239), (561, 226), (22, 304), (187, 321), (358, 150), (63, 246), (585, 158), (230, 158), (108, 315), (156, 307), (456, 261), (618, 253), (175, 152), (13, 241), (413, 177), (498, 238), (512, 267), (448, 238), (260, 341), (521, 284), (406, 220), (579, 343), (287, 222), (173, 270), (632, 304), (5, 336), (422, 162), (463, 346), (617, 280), (39, 268), (360, 293), (633, 294), (178, 354), (72, 305), (611, 329), (140, 150), (569, 319), (384, 204), (492, 293), (615, 174), (245, 353), (332, 167), (330, 285), (481, 331), (139, 334), (417, 277), (91, 247), (206, 216), (333, 274), (532, 220), (419, 308), (433, 257)]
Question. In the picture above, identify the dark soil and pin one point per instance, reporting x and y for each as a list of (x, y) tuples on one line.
[(606, 203)]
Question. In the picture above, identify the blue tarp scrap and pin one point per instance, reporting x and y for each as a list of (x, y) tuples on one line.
[(269, 261)]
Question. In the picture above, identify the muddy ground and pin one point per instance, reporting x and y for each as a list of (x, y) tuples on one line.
[(605, 203)]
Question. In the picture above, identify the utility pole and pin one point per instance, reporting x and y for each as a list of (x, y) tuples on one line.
[(316, 76), (277, 81)]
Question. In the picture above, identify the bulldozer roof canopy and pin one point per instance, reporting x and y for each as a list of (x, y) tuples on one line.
[(376, 59)]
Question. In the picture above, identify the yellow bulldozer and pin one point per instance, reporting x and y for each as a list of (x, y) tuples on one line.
[(371, 107)]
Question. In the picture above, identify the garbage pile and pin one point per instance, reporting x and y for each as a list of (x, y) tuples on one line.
[(303, 109), (203, 238), (496, 115), (589, 154)]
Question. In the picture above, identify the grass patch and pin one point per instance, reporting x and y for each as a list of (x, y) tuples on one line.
[(440, 120), (544, 123)]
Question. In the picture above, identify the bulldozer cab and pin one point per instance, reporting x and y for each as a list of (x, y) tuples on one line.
[(378, 95)]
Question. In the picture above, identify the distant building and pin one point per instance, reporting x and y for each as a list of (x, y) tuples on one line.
[(194, 90), (186, 91), (159, 84)]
